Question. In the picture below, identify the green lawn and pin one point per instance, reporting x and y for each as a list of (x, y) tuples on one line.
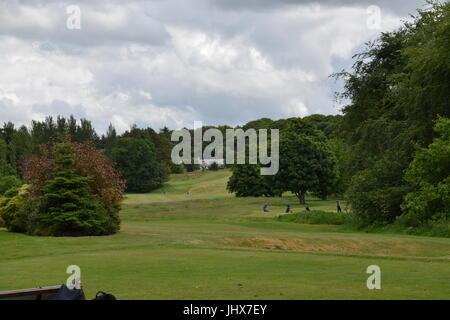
[(210, 245)]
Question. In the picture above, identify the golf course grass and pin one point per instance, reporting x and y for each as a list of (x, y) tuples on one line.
[(194, 240)]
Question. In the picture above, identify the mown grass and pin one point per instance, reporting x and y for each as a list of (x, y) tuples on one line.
[(208, 244)]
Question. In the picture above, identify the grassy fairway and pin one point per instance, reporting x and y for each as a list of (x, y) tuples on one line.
[(210, 245)]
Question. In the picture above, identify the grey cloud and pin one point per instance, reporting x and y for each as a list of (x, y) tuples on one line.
[(60, 107), (399, 7), (170, 62), (100, 25)]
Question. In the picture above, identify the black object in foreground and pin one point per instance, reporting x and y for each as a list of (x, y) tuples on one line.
[(104, 296), (65, 293)]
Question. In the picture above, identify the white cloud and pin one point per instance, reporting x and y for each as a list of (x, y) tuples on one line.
[(168, 63)]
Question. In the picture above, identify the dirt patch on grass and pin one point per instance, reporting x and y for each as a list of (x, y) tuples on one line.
[(339, 246)]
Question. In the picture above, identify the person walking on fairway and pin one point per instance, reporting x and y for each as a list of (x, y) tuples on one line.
[(266, 208), (338, 206), (288, 208)]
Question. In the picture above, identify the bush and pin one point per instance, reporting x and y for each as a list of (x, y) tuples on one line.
[(374, 194), (10, 212), (8, 182), (315, 217), (175, 168), (429, 174), (214, 166), (432, 228)]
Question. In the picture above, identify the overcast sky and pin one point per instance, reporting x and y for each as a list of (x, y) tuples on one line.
[(167, 63)]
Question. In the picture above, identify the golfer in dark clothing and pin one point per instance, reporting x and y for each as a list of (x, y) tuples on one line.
[(338, 206), (288, 208), (307, 208)]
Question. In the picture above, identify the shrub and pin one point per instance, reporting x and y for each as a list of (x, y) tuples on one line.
[(315, 217), (8, 182), (374, 194), (13, 218), (429, 174), (214, 166)]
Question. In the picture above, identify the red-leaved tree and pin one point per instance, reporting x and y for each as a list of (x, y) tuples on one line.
[(105, 181)]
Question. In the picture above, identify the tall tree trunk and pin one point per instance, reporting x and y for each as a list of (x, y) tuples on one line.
[(301, 197)]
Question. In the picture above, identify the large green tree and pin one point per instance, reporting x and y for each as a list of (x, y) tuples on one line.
[(429, 173), (71, 190), (138, 162), (68, 208), (398, 86), (247, 181), (307, 163)]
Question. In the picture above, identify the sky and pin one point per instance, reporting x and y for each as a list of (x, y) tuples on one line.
[(169, 63)]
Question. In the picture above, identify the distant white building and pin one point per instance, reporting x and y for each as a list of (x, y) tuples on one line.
[(206, 163)]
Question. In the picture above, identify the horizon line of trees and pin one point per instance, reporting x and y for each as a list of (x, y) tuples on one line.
[(142, 155), (389, 152)]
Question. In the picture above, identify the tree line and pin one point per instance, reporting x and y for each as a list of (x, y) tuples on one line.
[(391, 148), (388, 153)]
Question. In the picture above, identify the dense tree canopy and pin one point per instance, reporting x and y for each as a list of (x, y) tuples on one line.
[(398, 87), (429, 174), (382, 152), (68, 208), (71, 190), (138, 162), (307, 163), (247, 181)]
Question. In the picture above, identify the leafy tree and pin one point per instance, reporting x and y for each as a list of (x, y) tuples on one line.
[(71, 190), (68, 208), (306, 161), (329, 125), (161, 142), (50, 130), (398, 87), (375, 194), (3, 152), (341, 151), (10, 210), (246, 181), (137, 160), (106, 183), (108, 140), (429, 173), (8, 182), (20, 148), (263, 123)]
